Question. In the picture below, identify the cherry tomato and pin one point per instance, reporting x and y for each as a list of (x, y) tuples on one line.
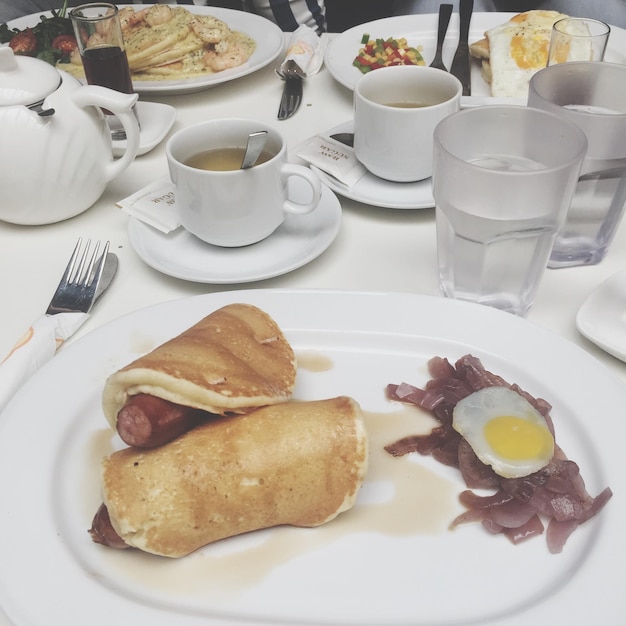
[(64, 43), (24, 42)]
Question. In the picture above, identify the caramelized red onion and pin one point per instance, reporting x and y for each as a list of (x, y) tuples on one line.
[(555, 494)]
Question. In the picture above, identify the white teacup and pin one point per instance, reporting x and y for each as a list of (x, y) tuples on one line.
[(234, 207), (396, 110)]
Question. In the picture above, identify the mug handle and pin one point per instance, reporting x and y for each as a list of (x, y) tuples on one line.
[(299, 208)]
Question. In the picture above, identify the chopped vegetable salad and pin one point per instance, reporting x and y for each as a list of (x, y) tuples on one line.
[(376, 53)]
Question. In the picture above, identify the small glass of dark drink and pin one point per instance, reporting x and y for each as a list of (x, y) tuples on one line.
[(100, 40)]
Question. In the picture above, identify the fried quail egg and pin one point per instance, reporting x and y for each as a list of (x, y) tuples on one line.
[(505, 431), (518, 49)]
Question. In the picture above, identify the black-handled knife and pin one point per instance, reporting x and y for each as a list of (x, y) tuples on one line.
[(461, 62)]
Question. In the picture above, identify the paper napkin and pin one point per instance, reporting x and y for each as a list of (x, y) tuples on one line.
[(35, 348), (306, 48)]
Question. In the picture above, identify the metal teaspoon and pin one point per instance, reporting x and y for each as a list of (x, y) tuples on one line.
[(254, 147)]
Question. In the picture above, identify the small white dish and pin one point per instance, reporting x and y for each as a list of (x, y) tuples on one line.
[(296, 242), (602, 317), (156, 119), (376, 191)]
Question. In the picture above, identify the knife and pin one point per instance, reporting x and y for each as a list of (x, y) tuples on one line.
[(461, 62), (292, 91), (43, 338)]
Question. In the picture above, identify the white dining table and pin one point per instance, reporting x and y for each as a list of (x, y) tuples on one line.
[(377, 249)]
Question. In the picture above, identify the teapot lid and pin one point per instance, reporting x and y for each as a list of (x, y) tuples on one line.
[(25, 80)]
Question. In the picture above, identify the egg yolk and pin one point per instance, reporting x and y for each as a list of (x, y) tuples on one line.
[(529, 52), (516, 438)]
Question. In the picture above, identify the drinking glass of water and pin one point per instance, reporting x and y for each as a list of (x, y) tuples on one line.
[(592, 95), (578, 39), (503, 178)]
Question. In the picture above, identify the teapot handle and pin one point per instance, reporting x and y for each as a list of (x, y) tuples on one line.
[(122, 105)]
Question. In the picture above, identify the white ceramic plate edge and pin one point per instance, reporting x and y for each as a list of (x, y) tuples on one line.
[(342, 49), (389, 195), (602, 317), (269, 38), (156, 120), (69, 595), (190, 259)]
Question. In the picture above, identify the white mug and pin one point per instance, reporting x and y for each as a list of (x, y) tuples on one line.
[(234, 207), (396, 110)]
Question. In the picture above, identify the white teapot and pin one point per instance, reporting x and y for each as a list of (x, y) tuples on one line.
[(56, 152)]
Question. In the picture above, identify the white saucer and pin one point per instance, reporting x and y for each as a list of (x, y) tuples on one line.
[(379, 192), (602, 317), (296, 242), (156, 120)]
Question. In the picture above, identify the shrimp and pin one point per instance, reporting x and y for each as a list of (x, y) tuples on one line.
[(129, 17), (158, 14), (235, 56), (152, 16), (98, 39), (75, 57), (209, 29)]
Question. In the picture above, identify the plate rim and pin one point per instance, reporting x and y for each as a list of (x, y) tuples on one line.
[(404, 308), (420, 20), (334, 219), (584, 323), (348, 192), (272, 33)]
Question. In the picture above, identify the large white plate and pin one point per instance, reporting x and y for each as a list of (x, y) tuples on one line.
[(268, 37), (379, 563), (602, 317), (421, 30), (297, 241)]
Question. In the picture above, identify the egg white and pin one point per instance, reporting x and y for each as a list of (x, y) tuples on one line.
[(474, 415), (517, 50)]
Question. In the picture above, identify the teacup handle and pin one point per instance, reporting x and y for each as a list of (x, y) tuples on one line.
[(291, 169), (122, 105)]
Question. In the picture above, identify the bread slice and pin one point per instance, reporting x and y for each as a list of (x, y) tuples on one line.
[(232, 361), (299, 463)]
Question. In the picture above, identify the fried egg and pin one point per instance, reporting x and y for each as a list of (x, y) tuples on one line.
[(505, 431), (517, 50)]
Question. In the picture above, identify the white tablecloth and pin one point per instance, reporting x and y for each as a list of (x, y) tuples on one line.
[(377, 249)]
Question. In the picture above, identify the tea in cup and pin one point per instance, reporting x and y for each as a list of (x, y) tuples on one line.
[(223, 204)]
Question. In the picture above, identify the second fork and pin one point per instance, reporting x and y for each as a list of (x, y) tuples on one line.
[(445, 11)]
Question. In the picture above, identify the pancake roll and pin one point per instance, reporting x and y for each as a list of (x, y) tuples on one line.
[(297, 463)]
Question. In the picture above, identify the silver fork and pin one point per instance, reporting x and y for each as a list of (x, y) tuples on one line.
[(77, 288), (292, 91), (445, 11)]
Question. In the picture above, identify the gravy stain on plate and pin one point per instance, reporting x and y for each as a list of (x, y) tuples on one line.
[(314, 362)]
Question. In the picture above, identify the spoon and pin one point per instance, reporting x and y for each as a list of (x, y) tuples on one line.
[(344, 138), (445, 11), (254, 147)]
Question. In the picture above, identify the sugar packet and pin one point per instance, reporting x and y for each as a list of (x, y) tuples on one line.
[(155, 205), (332, 157)]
